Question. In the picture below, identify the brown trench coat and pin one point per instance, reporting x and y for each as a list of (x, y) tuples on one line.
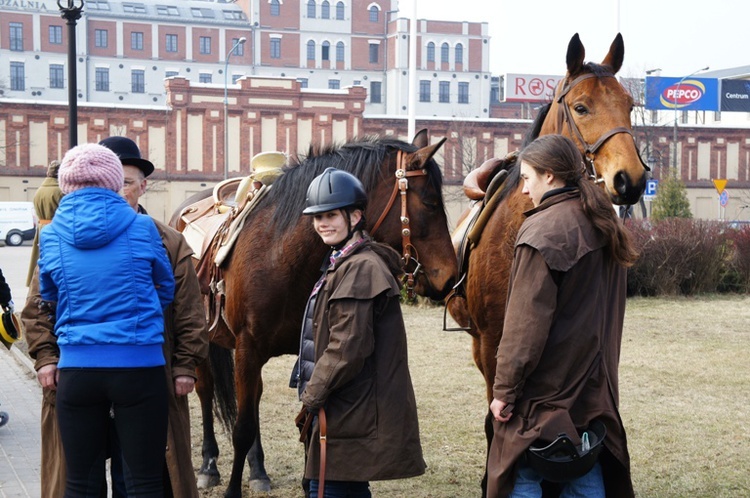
[(558, 358), (185, 346), (46, 200), (361, 376)]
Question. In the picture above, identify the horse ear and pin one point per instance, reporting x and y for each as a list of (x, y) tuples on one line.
[(575, 56), (424, 154), (616, 54), (420, 138)]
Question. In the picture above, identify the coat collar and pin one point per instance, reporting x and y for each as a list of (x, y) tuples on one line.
[(553, 197)]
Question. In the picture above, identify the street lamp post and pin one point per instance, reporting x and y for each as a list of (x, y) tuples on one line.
[(71, 12), (676, 96), (239, 42)]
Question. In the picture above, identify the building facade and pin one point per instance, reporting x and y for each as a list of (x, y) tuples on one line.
[(126, 49)]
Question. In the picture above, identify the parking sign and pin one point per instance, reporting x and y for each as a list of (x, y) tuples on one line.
[(651, 187)]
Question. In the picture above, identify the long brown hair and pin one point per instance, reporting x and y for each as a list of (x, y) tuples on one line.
[(559, 155)]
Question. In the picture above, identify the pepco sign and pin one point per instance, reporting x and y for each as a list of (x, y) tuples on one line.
[(682, 94), (530, 87), (694, 94)]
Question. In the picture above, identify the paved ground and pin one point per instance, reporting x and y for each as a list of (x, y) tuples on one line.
[(20, 396)]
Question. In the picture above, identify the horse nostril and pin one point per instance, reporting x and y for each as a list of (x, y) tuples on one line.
[(621, 183)]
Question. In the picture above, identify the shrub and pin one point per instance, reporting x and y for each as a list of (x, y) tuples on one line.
[(671, 199), (678, 256), (737, 275)]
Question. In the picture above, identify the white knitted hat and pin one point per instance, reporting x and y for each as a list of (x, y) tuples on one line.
[(90, 165)]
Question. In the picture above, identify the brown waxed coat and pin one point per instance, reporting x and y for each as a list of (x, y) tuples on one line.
[(361, 376), (46, 200), (558, 358), (185, 346)]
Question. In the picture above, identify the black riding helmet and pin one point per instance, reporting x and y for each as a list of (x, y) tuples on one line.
[(335, 189), (562, 460)]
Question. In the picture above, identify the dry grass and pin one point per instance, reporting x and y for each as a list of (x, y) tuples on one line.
[(685, 391)]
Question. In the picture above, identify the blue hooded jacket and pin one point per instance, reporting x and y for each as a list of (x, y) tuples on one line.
[(110, 275)]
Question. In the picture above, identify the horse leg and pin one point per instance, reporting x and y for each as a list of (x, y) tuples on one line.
[(247, 385), (208, 475), (484, 352), (259, 480)]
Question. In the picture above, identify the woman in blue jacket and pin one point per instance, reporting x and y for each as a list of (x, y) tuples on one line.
[(106, 269)]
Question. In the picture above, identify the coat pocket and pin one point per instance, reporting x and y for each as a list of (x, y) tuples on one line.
[(352, 411)]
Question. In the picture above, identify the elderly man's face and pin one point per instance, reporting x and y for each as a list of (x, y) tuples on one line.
[(135, 185)]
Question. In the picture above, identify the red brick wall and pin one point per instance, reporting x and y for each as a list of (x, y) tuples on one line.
[(214, 56), (288, 17), (247, 57), (361, 54), (44, 23), (361, 17), (182, 42), (25, 20), (474, 55), (449, 27), (110, 27), (127, 30)]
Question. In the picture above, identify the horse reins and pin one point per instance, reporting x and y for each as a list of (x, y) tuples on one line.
[(409, 252), (564, 116)]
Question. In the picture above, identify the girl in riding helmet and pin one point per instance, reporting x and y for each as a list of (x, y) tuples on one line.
[(353, 359)]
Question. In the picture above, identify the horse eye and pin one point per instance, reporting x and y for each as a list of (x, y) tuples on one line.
[(580, 109)]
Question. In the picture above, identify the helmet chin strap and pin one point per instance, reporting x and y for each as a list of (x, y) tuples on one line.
[(352, 229)]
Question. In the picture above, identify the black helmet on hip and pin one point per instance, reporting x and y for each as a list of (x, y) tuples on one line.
[(335, 189), (562, 460)]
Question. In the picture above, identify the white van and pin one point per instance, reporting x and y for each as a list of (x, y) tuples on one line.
[(17, 222)]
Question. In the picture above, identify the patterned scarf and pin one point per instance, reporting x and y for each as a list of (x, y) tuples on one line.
[(335, 256)]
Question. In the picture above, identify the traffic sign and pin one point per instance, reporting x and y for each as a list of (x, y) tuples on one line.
[(724, 198), (720, 184), (651, 188)]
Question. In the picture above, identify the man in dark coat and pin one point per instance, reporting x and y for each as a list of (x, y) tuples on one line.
[(46, 200)]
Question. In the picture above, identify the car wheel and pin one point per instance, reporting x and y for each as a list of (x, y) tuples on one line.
[(14, 238)]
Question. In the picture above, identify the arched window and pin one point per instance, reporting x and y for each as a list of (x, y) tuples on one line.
[(340, 52), (275, 8), (430, 52), (325, 51), (444, 52), (459, 53), (340, 11), (311, 50), (374, 13), (311, 9), (325, 10)]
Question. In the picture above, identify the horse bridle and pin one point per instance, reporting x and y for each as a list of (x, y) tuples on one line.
[(564, 115), (409, 252)]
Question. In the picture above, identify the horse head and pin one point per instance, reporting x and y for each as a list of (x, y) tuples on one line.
[(406, 211), (593, 109)]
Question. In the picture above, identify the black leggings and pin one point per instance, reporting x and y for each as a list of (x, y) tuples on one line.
[(138, 397)]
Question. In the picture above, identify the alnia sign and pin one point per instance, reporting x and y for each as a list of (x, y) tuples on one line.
[(25, 5)]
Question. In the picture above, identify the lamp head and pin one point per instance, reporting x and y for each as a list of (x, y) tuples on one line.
[(242, 41), (70, 4)]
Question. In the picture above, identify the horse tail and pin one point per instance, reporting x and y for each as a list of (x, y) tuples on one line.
[(225, 396)]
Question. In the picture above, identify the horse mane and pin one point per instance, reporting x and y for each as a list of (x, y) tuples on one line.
[(362, 157)]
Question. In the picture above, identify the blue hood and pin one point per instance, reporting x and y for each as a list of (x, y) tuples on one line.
[(92, 217)]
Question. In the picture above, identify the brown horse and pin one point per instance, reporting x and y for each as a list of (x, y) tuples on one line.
[(593, 109), (277, 260)]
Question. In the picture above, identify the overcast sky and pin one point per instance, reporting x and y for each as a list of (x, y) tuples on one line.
[(531, 36)]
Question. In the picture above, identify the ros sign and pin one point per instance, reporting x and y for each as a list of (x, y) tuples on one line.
[(530, 87), (682, 94)]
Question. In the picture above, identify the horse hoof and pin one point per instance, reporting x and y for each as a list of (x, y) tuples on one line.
[(206, 481), (262, 485)]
